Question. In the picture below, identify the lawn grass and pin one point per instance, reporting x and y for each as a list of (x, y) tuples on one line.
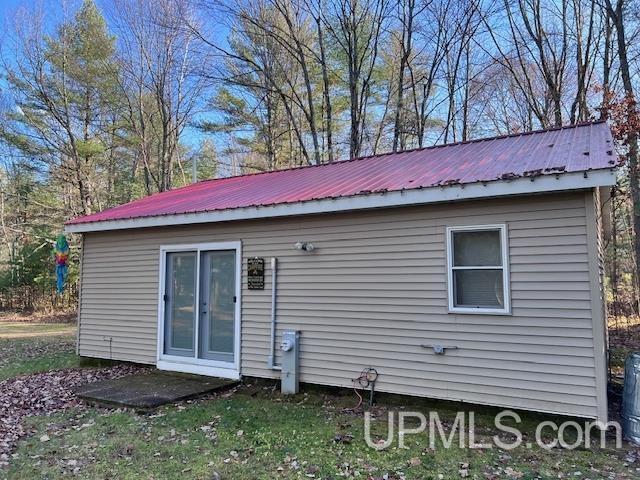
[(255, 433), (35, 347)]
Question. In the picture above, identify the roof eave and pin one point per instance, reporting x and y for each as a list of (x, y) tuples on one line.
[(520, 186)]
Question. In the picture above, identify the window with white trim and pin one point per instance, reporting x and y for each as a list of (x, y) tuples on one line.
[(477, 260)]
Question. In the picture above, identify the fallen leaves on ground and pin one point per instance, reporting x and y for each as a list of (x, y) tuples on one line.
[(343, 438), (44, 394)]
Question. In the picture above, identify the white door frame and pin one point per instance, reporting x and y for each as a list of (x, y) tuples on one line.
[(194, 365)]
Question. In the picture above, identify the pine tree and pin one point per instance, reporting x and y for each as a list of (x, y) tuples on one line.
[(66, 102)]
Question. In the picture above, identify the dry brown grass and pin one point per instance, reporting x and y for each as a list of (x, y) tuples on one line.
[(31, 329), (37, 317)]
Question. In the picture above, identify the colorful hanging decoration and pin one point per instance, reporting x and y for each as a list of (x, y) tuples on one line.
[(62, 261)]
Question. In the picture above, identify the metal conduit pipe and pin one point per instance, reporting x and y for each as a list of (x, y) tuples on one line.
[(272, 347)]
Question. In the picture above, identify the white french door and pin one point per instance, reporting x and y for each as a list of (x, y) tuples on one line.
[(199, 309)]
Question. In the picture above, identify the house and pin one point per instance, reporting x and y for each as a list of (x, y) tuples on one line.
[(470, 271)]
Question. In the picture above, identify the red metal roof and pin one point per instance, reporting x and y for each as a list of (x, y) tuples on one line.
[(547, 152)]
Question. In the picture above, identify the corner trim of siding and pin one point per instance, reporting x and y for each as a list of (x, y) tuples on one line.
[(597, 307), (80, 285), (414, 196)]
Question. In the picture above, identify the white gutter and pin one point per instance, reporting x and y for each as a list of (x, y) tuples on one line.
[(419, 196)]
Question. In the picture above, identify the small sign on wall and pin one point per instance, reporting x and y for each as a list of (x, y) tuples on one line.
[(255, 273)]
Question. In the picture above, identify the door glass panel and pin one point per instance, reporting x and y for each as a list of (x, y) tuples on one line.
[(218, 297), (180, 303)]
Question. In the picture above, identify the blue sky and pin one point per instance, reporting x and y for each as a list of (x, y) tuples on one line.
[(7, 6)]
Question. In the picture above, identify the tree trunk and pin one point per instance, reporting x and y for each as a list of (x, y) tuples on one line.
[(326, 92), (614, 260), (407, 33), (632, 134)]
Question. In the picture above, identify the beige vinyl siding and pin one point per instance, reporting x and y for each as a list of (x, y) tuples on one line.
[(373, 291)]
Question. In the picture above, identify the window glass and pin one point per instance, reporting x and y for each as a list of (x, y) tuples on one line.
[(478, 288), (477, 248)]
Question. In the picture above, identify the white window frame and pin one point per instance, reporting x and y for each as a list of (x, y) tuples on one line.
[(506, 310), (193, 364)]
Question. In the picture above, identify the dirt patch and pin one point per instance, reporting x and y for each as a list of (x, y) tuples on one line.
[(44, 394)]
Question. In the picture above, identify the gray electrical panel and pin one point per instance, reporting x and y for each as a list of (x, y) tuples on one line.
[(290, 360)]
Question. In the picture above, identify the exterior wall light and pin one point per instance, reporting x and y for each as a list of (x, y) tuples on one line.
[(304, 246)]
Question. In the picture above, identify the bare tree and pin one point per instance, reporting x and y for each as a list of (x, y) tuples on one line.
[(424, 70), (316, 11), (298, 43), (160, 81), (407, 16), (629, 131), (586, 35), (357, 27), (537, 47), (462, 28)]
